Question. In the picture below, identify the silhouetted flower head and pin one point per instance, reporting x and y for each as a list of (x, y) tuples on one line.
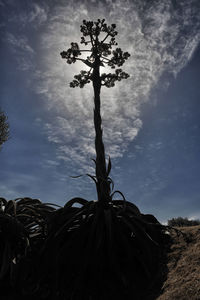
[(100, 38)]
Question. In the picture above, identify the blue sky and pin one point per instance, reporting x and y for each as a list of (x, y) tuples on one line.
[(151, 122)]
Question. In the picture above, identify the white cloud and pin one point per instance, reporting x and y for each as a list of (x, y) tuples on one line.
[(195, 217), (160, 36)]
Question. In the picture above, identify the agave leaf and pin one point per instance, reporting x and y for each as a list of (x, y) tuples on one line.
[(29, 224), (118, 193), (35, 234), (75, 200), (3, 200), (27, 200), (3, 203), (35, 210), (43, 211), (92, 177), (10, 207), (119, 202), (111, 183), (58, 218), (145, 222), (48, 204), (77, 176), (75, 216), (32, 211), (89, 220), (94, 160), (25, 215), (131, 207)]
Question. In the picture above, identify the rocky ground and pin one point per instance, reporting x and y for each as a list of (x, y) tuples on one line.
[(182, 272)]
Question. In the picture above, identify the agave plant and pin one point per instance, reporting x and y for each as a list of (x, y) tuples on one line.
[(22, 230), (102, 249)]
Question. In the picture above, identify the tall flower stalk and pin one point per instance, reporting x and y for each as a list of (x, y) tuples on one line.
[(100, 38)]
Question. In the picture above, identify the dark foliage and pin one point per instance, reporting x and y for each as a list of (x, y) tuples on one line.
[(23, 228), (85, 252), (4, 128), (180, 222)]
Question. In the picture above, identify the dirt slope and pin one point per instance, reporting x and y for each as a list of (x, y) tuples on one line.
[(183, 264)]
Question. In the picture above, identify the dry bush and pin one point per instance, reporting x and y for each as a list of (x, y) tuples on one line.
[(181, 222)]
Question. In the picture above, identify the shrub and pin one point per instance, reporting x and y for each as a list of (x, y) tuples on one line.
[(183, 222), (4, 128)]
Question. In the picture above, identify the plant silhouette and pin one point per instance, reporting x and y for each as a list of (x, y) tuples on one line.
[(100, 38), (97, 250), (4, 128), (103, 249)]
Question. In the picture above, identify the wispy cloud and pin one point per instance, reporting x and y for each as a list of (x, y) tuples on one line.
[(38, 14), (19, 43), (33, 14), (20, 47), (161, 37)]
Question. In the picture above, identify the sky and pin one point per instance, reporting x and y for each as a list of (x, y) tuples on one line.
[(151, 121)]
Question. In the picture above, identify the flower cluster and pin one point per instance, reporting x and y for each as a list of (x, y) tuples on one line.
[(81, 79), (71, 54), (118, 59), (101, 39), (90, 28), (108, 80)]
